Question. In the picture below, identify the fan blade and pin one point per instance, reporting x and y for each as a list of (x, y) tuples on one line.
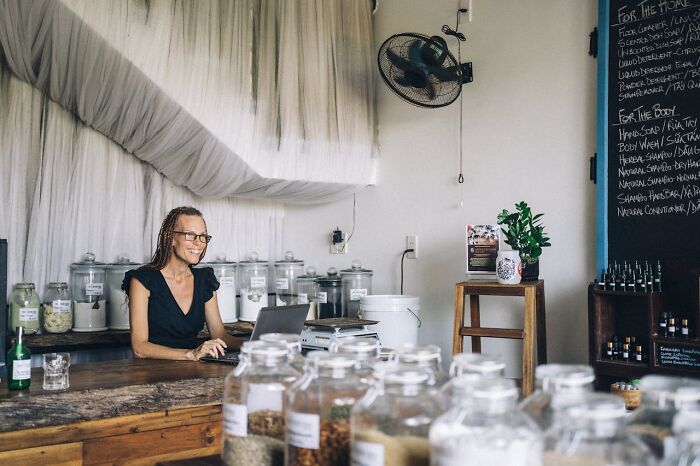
[(443, 74), (429, 89), (401, 81), (398, 61), (414, 52)]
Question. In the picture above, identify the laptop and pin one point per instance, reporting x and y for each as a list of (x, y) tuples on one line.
[(277, 319)]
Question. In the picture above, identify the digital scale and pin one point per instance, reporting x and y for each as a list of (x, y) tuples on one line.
[(319, 334)]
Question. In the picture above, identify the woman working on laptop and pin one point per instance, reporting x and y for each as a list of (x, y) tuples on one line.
[(169, 299)]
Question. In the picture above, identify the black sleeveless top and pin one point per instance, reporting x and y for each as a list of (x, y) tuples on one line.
[(167, 325)]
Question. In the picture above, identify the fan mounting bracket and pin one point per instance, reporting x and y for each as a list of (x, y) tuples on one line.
[(467, 72)]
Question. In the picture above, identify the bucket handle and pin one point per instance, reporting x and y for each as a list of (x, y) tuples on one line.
[(420, 323)]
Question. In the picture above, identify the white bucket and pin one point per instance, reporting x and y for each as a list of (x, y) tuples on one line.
[(397, 316)]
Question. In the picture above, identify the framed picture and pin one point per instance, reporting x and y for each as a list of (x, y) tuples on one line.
[(482, 243)]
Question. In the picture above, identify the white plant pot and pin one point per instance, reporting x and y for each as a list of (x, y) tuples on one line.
[(508, 267)]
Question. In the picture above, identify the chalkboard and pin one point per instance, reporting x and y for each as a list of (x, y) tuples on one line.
[(678, 356), (649, 135)]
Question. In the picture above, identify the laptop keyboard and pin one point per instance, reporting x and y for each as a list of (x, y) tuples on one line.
[(227, 358)]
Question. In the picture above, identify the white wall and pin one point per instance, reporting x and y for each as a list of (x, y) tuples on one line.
[(528, 132)]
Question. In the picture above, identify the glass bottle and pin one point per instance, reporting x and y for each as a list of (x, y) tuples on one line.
[(318, 410), (685, 331), (391, 424), (308, 291), (425, 356), (293, 343), (330, 295), (609, 350), (286, 273), (24, 308), (19, 364), (253, 286), (657, 277), (482, 427), (365, 350), (663, 324), (357, 282), (671, 327), (556, 387), (57, 308), (89, 295), (254, 426)]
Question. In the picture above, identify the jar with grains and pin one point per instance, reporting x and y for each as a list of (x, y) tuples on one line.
[(364, 349), (557, 385), (426, 356), (293, 343), (482, 427), (662, 398), (24, 308), (318, 410), (590, 431), (57, 308), (253, 430), (390, 425)]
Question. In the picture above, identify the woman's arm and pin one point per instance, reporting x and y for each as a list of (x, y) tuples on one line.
[(216, 326)]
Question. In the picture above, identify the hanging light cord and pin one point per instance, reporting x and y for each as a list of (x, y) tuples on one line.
[(460, 178)]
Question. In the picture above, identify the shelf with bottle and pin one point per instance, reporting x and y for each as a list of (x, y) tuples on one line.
[(625, 278)]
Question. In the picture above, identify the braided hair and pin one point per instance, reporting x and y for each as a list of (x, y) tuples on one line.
[(164, 248)]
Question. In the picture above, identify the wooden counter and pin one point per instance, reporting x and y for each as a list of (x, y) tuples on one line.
[(126, 412)]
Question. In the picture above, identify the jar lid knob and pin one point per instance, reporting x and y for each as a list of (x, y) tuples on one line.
[(332, 271), (123, 258), (88, 257), (311, 271), (221, 257), (289, 256), (252, 256), (356, 265)]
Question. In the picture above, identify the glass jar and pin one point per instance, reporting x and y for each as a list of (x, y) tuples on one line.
[(556, 386), (225, 272), (293, 343), (357, 282), (365, 350), (307, 289), (426, 356), (662, 398), (591, 431), (57, 308), (330, 295), (477, 363), (318, 410), (686, 428), (482, 427), (253, 286), (89, 303), (286, 273), (117, 305), (390, 425), (24, 308), (253, 428)]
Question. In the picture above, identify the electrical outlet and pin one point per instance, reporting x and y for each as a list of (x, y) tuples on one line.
[(339, 248), (412, 243)]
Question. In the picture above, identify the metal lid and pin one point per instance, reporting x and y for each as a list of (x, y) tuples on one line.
[(289, 260), (88, 262), (221, 260), (332, 279), (122, 262), (58, 285), (24, 286), (252, 260), (356, 269)]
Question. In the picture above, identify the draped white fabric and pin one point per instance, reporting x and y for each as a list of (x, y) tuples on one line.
[(255, 98)]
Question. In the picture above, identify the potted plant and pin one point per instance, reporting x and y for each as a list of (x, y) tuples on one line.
[(524, 233)]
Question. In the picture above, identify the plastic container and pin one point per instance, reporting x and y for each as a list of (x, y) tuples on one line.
[(253, 274), (254, 426), (330, 295), (307, 290), (365, 350), (357, 282), (225, 272), (117, 303), (88, 279), (293, 343), (428, 357), (57, 308), (397, 316), (24, 308), (390, 425), (286, 273)]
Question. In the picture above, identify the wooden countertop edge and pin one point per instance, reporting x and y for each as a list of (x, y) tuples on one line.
[(122, 425)]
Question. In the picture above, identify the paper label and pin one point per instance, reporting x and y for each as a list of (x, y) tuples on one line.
[(227, 282), (60, 305), (303, 430), (27, 314), (303, 298), (93, 289), (367, 454), (684, 331), (258, 282), (322, 297), (235, 420), (282, 283), (264, 396), (21, 369), (357, 293)]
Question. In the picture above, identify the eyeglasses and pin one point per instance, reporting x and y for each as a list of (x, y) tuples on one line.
[(190, 236)]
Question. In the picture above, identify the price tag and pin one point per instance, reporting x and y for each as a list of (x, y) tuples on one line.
[(303, 430), (236, 420), (303, 298), (61, 305), (357, 293), (282, 283), (21, 369), (258, 282), (367, 454), (93, 289), (322, 297), (28, 314)]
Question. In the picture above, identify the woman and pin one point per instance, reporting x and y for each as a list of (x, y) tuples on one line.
[(169, 299)]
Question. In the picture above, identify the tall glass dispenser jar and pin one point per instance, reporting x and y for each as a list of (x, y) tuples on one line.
[(286, 273), (330, 295), (88, 279), (24, 308), (253, 286), (307, 290), (57, 308), (254, 426), (117, 304), (357, 282), (225, 272)]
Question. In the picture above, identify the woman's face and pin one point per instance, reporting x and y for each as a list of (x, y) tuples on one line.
[(184, 249)]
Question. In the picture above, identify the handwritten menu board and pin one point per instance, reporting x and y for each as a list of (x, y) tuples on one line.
[(678, 356), (653, 133)]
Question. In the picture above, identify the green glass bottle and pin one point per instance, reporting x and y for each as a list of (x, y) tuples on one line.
[(19, 363)]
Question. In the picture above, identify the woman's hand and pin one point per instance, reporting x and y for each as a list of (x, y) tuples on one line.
[(215, 348)]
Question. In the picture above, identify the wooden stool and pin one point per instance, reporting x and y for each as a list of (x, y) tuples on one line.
[(533, 332)]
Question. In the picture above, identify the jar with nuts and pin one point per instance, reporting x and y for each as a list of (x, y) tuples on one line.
[(253, 430), (318, 410)]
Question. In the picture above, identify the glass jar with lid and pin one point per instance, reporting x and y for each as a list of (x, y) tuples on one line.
[(293, 343), (662, 398), (365, 351), (482, 427), (318, 410), (225, 272), (556, 386), (253, 428), (390, 425), (330, 295), (253, 286), (286, 273), (117, 305), (89, 303), (357, 282), (307, 289), (477, 363), (24, 308), (57, 308), (591, 431), (426, 356)]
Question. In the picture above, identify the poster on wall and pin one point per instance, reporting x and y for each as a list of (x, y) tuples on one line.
[(482, 242)]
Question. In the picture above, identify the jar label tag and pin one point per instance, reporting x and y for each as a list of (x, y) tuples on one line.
[(303, 298), (235, 420), (61, 305), (303, 430), (282, 283), (28, 314), (367, 454), (322, 297), (357, 293), (93, 289), (264, 396), (21, 369), (258, 282), (227, 281)]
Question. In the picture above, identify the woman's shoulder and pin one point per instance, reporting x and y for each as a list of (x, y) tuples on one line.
[(206, 280), (144, 274)]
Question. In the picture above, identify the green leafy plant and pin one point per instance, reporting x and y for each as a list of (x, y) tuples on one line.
[(523, 231)]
